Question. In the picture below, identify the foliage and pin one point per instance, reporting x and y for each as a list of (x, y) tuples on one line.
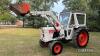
[(42, 4), (36, 21), (4, 12)]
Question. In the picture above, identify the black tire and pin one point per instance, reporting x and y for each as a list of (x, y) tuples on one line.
[(80, 38), (55, 47), (43, 44)]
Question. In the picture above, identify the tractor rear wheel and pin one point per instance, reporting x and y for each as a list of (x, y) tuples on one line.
[(55, 47), (80, 38)]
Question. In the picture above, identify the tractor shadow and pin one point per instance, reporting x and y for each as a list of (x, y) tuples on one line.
[(68, 46)]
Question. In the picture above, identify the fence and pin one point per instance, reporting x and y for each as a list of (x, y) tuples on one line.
[(17, 23), (7, 24)]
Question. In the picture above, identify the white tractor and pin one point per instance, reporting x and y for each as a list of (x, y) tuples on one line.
[(68, 27)]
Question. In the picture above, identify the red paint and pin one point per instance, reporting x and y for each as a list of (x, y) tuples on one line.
[(57, 48), (83, 38), (52, 31), (57, 24), (25, 7)]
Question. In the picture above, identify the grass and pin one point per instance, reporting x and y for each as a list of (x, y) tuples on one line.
[(24, 42)]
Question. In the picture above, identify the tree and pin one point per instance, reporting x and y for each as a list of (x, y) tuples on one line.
[(42, 4), (4, 12)]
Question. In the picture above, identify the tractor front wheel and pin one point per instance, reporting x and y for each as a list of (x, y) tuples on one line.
[(55, 47)]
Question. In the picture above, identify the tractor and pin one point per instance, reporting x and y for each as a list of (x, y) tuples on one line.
[(68, 26)]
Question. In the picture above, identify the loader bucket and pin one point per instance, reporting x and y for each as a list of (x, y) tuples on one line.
[(20, 8)]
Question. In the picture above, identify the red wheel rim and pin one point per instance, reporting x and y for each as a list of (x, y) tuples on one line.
[(57, 48), (83, 38)]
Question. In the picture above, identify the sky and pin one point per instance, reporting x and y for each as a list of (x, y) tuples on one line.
[(58, 7), (13, 1)]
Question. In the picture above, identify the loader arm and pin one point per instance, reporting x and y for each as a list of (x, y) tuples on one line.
[(48, 15)]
